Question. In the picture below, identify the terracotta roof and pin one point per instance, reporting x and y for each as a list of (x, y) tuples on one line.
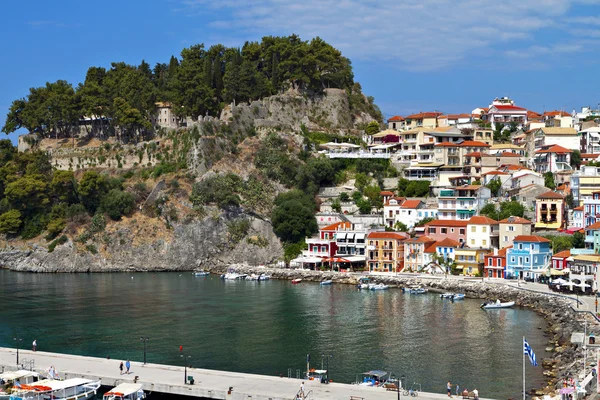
[(446, 144), (508, 154), (336, 226), (430, 249), (512, 167), (550, 195), (467, 187), (554, 149), (482, 220), (388, 235), (411, 203), (443, 117), (505, 107), (447, 222), (531, 238), (593, 226), (533, 114), (473, 154), (495, 173), (422, 239), (501, 252), (580, 208), (447, 243), (556, 113), (559, 131), (515, 220), (589, 155), (386, 193), (474, 143), (422, 115), (399, 200), (563, 254), (457, 116), (396, 118)]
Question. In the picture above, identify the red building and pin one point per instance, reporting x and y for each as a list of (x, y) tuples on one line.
[(495, 263), (441, 229), (559, 260)]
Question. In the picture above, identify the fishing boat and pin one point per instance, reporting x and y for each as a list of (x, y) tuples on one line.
[(8, 379), (201, 273), (326, 282), (497, 304), (374, 378), (458, 296), (68, 389), (125, 391), (379, 286), (419, 290), (296, 281)]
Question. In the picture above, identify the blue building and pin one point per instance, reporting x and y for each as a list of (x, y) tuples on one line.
[(529, 257)]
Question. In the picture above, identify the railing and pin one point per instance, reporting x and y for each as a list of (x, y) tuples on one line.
[(359, 155)]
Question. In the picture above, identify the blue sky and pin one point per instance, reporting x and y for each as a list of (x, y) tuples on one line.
[(411, 55)]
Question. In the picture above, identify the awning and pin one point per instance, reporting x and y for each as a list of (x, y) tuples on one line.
[(310, 260), (335, 259), (360, 236), (340, 235), (356, 258), (558, 272), (350, 236)]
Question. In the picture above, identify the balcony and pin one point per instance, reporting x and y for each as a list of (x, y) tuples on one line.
[(319, 241)]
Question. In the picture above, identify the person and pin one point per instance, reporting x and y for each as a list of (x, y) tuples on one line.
[(449, 389), (121, 368), (34, 344), (475, 394), (128, 365), (457, 389)]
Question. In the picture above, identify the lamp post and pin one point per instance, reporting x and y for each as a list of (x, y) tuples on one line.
[(185, 361), (17, 339), (400, 386), (144, 340), (327, 365)]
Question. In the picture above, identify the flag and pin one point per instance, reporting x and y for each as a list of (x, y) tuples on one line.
[(529, 351)]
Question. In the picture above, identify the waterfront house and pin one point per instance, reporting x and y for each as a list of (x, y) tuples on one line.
[(495, 263), (583, 273), (320, 248), (462, 202), (577, 219), (396, 123), (512, 227), (552, 158), (482, 231), (503, 110), (592, 237), (440, 229), (441, 256), (564, 137), (469, 261), (422, 119), (560, 262), (550, 211), (414, 253), (402, 210), (350, 240), (528, 258), (386, 251)]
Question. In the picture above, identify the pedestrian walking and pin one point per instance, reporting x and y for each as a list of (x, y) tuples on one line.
[(457, 390), (121, 368), (34, 344), (128, 365), (475, 394), (449, 389)]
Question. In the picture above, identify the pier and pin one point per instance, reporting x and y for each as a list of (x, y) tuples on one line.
[(207, 383)]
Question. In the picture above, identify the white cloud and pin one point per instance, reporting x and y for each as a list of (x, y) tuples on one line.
[(414, 34)]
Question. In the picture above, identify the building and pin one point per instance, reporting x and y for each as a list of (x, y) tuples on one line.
[(402, 210), (386, 251), (526, 177), (415, 257), (550, 211), (441, 229), (529, 258), (512, 227), (592, 237), (590, 140), (350, 240), (320, 248), (564, 137), (585, 182), (469, 261), (577, 220), (422, 119), (484, 135), (557, 119), (583, 273), (560, 261), (164, 116), (396, 123), (494, 263), (503, 110), (482, 232), (462, 202), (552, 158)]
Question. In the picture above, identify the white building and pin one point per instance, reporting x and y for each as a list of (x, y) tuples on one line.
[(503, 110), (482, 232)]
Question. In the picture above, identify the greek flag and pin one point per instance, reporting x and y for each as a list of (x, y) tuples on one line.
[(529, 351)]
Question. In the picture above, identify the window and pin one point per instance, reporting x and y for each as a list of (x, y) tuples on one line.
[(461, 231), (484, 229), (511, 228), (451, 230), (484, 242), (323, 249), (506, 238), (520, 260), (472, 242), (431, 230), (499, 262), (520, 246), (526, 260), (535, 259), (512, 259), (444, 230), (491, 262), (473, 229)]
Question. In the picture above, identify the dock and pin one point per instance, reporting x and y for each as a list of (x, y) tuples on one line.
[(207, 383)]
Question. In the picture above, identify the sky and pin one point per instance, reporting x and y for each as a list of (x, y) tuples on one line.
[(411, 55)]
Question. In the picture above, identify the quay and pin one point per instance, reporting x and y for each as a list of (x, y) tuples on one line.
[(211, 384)]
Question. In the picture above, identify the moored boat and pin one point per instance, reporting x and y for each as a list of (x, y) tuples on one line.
[(201, 273), (458, 296), (497, 304), (326, 282), (379, 286), (419, 290), (296, 281), (9, 378), (125, 391), (447, 295), (374, 378), (264, 277), (68, 389)]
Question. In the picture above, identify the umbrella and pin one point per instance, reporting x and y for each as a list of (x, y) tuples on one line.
[(584, 285), (559, 281)]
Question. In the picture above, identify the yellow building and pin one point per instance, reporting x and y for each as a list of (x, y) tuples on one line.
[(469, 261), (550, 211), (422, 119), (386, 251), (484, 135)]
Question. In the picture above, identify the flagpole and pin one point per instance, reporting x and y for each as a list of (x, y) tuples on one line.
[(523, 345)]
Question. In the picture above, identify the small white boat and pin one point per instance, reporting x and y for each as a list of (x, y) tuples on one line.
[(458, 296), (447, 295), (379, 286), (252, 277), (8, 379), (68, 389), (125, 391), (296, 281), (418, 291), (326, 282), (497, 304), (264, 277), (201, 273)]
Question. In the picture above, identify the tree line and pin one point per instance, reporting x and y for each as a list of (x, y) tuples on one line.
[(198, 83)]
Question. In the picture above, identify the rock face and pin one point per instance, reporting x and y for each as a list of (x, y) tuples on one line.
[(207, 242)]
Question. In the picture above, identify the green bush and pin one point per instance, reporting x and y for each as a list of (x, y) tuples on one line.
[(98, 223), (117, 203), (10, 221), (61, 240), (55, 227), (91, 248), (237, 230)]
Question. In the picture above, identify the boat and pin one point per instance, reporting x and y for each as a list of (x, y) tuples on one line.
[(125, 391), (68, 389), (418, 290), (447, 295), (319, 375), (252, 277), (264, 277), (326, 282), (201, 273), (374, 378), (497, 304), (364, 282), (296, 281), (8, 379), (379, 286), (458, 296)]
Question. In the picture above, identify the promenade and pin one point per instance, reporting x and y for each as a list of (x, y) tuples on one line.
[(208, 383)]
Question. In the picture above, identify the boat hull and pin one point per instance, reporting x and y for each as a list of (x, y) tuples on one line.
[(495, 306)]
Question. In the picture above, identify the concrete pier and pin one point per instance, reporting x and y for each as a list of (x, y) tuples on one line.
[(208, 383)]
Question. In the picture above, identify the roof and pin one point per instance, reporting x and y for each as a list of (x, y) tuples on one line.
[(386, 193), (399, 200), (501, 252), (563, 254), (411, 203), (482, 220), (495, 173), (421, 239), (161, 104), (556, 113), (512, 167), (446, 144), (503, 107), (447, 222), (430, 249), (580, 208), (506, 146), (396, 118), (550, 195), (515, 220), (67, 383), (422, 115), (589, 155), (457, 116), (587, 257), (531, 238), (126, 388), (468, 187), (593, 226), (447, 242), (507, 154), (337, 225), (473, 154), (474, 143), (388, 235), (533, 114), (554, 149), (559, 131)]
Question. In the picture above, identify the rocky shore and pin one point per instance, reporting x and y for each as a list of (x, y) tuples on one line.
[(562, 320)]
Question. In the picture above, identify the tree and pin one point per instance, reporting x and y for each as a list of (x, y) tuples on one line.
[(570, 200), (92, 188), (372, 128), (344, 197), (64, 187), (575, 159), (400, 226), (402, 184), (560, 242), (293, 216), (511, 209), (490, 211), (364, 206), (10, 221), (494, 185), (549, 180), (417, 189), (578, 240), (423, 221), (117, 203), (28, 194), (373, 193), (336, 205), (361, 181)]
